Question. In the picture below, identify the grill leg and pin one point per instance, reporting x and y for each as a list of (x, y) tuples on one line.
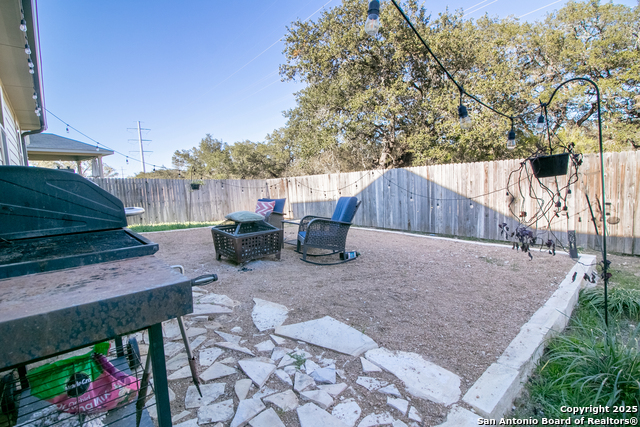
[(161, 383), (119, 348)]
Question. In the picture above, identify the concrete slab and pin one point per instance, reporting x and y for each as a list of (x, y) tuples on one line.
[(311, 415), (287, 400), (268, 315), (421, 378), (348, 412), (492, 394), (460, 417), (329, 333), (217, 370), (258, 369), (247, 409), (267, 418)]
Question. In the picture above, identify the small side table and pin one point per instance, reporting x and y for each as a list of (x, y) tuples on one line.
[(289, 221)]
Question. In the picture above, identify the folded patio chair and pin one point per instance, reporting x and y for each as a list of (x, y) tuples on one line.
[(327, 233), (276, 216)]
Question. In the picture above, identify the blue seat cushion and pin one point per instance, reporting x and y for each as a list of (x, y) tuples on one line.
[(279, 207), (301, 235), (345, 209)]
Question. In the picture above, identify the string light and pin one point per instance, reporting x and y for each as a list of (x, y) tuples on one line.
[(511, 138), (27, 49), (23, 26)]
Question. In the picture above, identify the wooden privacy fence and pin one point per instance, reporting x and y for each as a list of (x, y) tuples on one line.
[(465, 200)]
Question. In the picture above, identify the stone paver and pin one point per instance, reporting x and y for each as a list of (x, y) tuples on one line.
[(222, 411), (268, 315), (421, 378), (235, 347), (376, 420), (242, 388), (258, 369), (210, 392), (399, 404), (229, 337), (209, 355), (319, 397), (247, 409), (287, 400), (329, 333), (303, 382), (348, 412), (311, 415), (267, 418), (217, 370)]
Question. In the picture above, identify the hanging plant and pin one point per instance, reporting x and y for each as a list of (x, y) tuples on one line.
[(550, 165)]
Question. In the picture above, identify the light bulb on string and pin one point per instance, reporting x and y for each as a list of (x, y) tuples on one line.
[(27, 49), (31, 71), (372, 25), (30, 62), (67, 128), (127, 159), (511, 138), (34, 96), (23, 25), (540, 123)]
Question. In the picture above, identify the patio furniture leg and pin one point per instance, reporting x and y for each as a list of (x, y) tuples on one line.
[(304, 253), (160, 375)]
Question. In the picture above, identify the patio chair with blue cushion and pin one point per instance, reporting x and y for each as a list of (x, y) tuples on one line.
[(327, 233), (275, 216)]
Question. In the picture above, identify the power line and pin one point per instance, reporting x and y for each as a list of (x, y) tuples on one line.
[(98, 143), (540, 8)]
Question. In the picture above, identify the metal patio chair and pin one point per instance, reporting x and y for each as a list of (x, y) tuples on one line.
[(327, 233)]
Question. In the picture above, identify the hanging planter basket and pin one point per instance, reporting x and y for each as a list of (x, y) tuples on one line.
[(553, 165), (195, 185)]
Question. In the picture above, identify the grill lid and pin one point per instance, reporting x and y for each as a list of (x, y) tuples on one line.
[(39, 202)]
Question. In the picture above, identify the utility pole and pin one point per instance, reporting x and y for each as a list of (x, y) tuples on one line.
[(140, 140)]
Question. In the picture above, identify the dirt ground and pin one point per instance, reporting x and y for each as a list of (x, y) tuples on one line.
[(456, 303)]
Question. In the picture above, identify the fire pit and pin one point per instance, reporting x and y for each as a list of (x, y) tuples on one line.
[(244, 241)]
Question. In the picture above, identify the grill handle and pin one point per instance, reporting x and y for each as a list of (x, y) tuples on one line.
[(200, 280), (204, 280)]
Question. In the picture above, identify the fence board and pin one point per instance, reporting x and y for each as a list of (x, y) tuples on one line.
[(467, 200)]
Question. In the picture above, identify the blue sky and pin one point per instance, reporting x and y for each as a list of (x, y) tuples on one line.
[(184, 69)]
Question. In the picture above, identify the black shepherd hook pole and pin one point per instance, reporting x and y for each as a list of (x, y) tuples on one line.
[(604, 222)]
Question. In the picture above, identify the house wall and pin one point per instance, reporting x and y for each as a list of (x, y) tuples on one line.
[(11, 152)]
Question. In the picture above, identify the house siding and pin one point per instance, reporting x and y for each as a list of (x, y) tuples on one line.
[(11, 152)]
